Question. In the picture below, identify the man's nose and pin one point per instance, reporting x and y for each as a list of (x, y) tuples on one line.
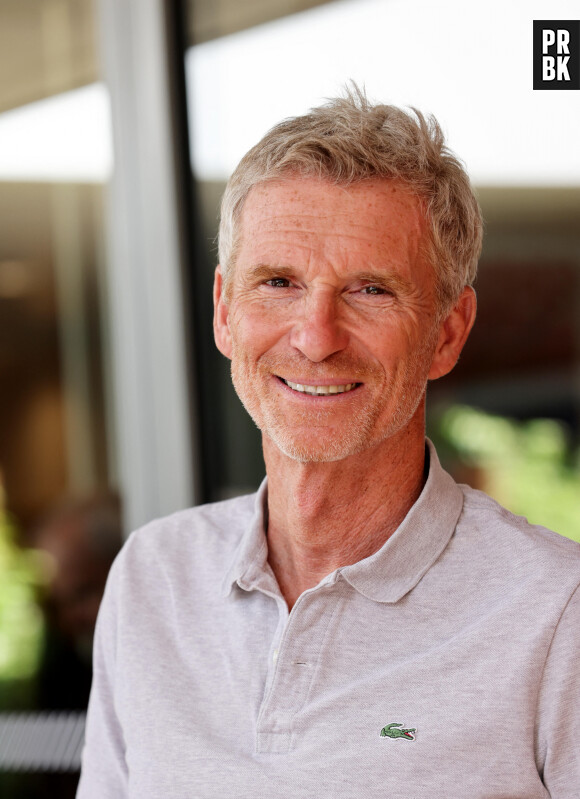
[(319, 331)]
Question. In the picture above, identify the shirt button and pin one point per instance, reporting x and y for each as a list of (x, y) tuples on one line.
[(275, 656)]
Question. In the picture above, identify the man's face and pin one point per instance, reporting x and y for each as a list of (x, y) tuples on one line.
[(330, 318)]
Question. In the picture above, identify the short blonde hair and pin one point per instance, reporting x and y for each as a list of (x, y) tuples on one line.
[(349, 139)]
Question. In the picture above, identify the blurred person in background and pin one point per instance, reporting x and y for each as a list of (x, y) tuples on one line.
[(78, 540), (363, 625), (81, 539)]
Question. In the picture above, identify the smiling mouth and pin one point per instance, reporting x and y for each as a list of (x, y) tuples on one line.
[(320, 391)]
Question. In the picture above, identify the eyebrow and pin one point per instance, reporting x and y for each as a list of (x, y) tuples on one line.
[(390, 281), (266, 272)]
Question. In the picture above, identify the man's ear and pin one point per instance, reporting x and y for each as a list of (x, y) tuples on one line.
[(221, 327), (453, 334)]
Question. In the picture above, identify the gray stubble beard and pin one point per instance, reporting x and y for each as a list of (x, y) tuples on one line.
[(346, 442)]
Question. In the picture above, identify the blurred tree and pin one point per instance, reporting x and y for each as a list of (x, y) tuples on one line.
[(22, 572), (529, 467)]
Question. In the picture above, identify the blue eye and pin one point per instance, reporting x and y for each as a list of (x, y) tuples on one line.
[(373, 290), (278, 282)]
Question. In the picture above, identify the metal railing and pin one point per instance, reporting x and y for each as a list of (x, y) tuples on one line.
[(41, 742)]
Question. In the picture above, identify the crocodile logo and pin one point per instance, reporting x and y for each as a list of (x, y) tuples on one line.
[(393, 731)]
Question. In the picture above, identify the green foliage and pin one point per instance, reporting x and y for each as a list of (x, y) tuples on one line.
[(21, 623), (529, 467)]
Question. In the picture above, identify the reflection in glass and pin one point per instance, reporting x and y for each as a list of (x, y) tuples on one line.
[(54, 420)]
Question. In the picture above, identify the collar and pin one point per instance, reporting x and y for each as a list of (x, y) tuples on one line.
[(388, 574), (250, 568)]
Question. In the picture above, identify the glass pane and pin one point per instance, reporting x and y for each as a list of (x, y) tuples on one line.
[(59, 520)]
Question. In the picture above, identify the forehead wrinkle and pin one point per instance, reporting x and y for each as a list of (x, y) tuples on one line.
[(360, 233), (346, 228), (378, 257), (321, 239), (259, 213)]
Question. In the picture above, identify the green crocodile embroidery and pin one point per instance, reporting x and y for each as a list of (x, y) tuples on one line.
[(393, 731)]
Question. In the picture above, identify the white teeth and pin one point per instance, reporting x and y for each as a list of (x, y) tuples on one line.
[(315, 390)]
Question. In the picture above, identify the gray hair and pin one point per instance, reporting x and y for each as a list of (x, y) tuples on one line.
[(349, 139)]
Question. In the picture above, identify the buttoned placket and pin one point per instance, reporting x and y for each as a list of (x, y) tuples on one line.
[(294, 657)]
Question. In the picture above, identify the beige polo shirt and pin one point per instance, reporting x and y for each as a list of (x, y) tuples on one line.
[(445, 665)]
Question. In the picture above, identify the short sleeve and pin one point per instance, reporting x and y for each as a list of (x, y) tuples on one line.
[(104, 770), (559, 707)]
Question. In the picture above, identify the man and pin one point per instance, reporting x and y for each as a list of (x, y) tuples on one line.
[(363, 626), (81, 538)]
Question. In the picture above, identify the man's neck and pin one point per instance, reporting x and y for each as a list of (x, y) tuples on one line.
[(322, 516)]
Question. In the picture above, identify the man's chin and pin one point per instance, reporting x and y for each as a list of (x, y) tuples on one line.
[(330, 449)]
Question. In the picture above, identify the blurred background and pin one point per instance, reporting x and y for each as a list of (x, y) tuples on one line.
[(120, 121)]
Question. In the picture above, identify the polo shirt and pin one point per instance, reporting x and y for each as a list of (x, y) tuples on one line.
[(444, 665)]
